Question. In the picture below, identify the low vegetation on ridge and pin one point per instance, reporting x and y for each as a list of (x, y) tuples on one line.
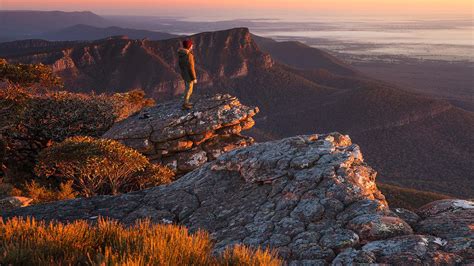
[(100, 166), (36, 115), (30, 242)]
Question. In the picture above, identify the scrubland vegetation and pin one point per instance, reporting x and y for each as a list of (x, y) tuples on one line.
[(51, 131), (99, 166), (30, 242), (50, 150)]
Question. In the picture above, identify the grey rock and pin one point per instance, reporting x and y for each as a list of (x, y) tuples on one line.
[(452, 221), (339, 239), (408, 216), (186, 139), (375, 226), (351, 256)]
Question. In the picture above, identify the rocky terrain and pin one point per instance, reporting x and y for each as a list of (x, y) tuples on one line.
[(313, 198), (187, 139), (299, 90)]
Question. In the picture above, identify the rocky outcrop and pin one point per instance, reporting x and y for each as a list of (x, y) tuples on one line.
[(310, 197), (186, 139)]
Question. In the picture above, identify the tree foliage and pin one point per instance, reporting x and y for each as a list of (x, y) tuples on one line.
[(100, 166), (29, 75)]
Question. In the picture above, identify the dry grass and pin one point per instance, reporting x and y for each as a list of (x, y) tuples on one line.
[(41, 194), (29, 242)]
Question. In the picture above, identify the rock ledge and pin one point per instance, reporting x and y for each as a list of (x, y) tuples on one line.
[(185, 140)]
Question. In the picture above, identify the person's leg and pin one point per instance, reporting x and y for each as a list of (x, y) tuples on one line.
[(188, 91)]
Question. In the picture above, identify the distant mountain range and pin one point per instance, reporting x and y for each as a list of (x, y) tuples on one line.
[(24, 24), (86, 32), (65, 26), (412, 140)]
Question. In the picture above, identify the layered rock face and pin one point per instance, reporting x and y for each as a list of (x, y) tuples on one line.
[(310, 197), (187, 139)]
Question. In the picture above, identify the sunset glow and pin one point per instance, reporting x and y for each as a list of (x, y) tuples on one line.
[(179, 6)]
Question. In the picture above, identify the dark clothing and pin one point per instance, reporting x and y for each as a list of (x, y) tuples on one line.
[(186, 64)]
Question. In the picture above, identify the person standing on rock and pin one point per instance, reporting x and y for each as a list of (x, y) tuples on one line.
[(186, 64)]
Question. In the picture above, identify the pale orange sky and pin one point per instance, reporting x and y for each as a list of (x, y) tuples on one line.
[(159, 6)]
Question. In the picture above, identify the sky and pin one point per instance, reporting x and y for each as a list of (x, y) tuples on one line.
[(187, 7)]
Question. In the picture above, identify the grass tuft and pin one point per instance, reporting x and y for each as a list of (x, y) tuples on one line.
[(31, 242)]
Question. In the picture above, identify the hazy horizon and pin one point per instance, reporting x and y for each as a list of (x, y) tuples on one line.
[(252, 9)]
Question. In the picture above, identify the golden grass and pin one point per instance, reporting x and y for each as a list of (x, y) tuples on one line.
[(41, 194), (31, 242)]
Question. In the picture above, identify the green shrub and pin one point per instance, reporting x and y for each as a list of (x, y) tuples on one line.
[(100, 166), (30, 242), (29, 74)]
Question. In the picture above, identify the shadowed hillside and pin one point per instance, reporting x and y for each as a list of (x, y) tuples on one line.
[(407, 198), (412, 140)]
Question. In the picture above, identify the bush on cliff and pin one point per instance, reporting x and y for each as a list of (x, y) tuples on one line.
[(30, 242), (45, 193), (100, 166), (34, 120), (128, 103), (29, 75), (31, 121)]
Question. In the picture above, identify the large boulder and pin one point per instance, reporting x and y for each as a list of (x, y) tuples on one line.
[(186, 139), (312, 198)]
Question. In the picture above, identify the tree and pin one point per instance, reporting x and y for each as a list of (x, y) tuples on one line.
[(100, 166)]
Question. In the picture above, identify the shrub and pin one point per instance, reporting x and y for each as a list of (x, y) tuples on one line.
[(34, 115), (32, 121), (30, 242), (242, 255), (100, 166), (151, 176), (59, 115), (29, 74), (130, 102), (41, 194)]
